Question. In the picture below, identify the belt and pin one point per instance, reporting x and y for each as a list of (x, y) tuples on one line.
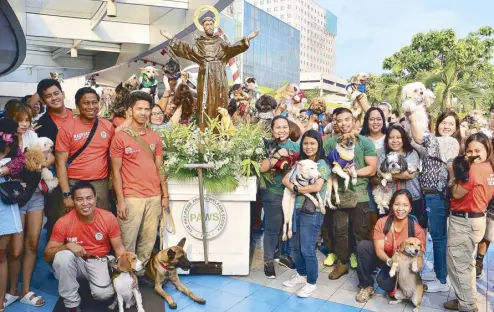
[(429, 191), (467, 214)]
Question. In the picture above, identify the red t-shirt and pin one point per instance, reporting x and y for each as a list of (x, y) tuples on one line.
[(480, 187), (94, 236), (60, 121), (117, 121), (140, 177), (393, 239), (92, 163)]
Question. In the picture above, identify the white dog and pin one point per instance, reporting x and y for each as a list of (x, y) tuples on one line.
[(393, 164), (415, 99), (125, 282), (304, 173)]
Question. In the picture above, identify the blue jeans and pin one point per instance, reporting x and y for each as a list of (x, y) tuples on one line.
[(438, 217), (304, 245), (273, 223)]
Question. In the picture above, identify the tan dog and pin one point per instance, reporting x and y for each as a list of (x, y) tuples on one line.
[(162, 267), (340, 158), (407, 261), (226, 122), (357, 97), (125, 282)]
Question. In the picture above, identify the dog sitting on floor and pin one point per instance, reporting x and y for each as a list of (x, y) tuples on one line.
[(125, 282), (342, 156), (304, 173), (407, 262)]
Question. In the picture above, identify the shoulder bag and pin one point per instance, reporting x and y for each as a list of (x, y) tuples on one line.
[(89, 138)]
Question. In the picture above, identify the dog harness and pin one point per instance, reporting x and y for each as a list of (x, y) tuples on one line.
[(336, 159)]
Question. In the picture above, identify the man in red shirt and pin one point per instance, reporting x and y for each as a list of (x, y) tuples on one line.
[(92, 163), (136, 154), (51, 94), (79, 238)]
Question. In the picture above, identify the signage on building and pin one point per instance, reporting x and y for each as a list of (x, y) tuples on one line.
[(215, 216)]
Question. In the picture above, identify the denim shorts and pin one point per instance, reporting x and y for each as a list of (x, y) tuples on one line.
[(37, 202), (10, 219)]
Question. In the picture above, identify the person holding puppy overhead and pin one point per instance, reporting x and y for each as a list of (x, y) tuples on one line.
[(273, 195), (467, 221), (389, 233)]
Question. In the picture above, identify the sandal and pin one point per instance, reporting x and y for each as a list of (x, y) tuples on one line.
[(9, 299), (32, 299)]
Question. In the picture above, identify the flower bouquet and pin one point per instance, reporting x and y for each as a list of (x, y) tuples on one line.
[(236, 154)]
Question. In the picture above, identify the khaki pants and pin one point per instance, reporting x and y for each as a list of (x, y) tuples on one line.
[(101, 187), (68, 268), (463, 238), (140, 229)]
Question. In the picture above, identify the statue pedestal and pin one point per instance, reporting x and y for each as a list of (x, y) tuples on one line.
[(227, 224)]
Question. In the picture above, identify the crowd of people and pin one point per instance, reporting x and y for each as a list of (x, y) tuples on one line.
[(91, 217)]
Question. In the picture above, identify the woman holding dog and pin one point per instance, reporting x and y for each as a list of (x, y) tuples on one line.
[(389, 233), (467, 222), (437, 150), (273, 195), (308, 218)]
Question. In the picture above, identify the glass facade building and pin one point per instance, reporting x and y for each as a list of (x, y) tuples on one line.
[(274, 56)]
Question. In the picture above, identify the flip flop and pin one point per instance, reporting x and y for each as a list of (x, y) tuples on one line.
[(32, 299), (9, 299)]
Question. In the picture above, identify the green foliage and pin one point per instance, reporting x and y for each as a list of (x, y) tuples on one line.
[(235, 153)]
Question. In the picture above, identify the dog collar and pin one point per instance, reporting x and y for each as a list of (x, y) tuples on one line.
[(163, 266)]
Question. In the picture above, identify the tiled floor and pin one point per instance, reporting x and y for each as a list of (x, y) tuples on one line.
[(256, 293)]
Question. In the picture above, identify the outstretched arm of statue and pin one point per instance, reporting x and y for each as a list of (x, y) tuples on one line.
[(253, 34), (181, 48), (236, 48)]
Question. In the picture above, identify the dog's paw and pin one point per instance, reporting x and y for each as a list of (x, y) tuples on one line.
[(323, 210), (354, 181), (284, 238), (290, 234), (337, 200), (382, 211), (415, 267), (392, 272), (394, 301), (173, 305), (200, 301), (128, 306)]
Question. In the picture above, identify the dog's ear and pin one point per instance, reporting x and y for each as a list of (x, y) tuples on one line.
[(403, 164), (119, 88), (181, 243), (403, 246), (384, 166), (171, 254), (340, 138), (124, 264)]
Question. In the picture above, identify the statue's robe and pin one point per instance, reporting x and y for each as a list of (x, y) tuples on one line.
[(212, 53)]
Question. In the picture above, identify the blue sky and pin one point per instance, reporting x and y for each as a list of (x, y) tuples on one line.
[(371, 30)]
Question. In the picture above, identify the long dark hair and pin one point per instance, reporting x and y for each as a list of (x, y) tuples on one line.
[(407, 146), (398, 193), (365, 126), (8, 127), (320, 150), (444, 115), (484, 140), (183, 97)]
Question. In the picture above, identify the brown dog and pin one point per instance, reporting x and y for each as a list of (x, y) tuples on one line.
[(162, 267), (407, 262)]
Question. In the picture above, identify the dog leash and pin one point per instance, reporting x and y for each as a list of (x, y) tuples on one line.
[(109, 263), (163, 227)]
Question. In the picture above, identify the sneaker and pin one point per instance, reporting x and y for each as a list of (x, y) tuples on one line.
[(429, 276), (452, 305), (353, 261), (330, 260), (364, 294), (295, 280), (436, 286), (307, 290), (479, 266), (339, 270), (269, 270), (287, 262)]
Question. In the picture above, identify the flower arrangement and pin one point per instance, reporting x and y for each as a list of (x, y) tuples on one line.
[(236, 154)]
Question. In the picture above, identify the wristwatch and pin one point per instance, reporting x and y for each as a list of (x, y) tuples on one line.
[(295, 189), (65, 195)]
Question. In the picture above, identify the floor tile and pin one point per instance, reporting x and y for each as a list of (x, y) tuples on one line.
[(433, 301), (199, 308), (241, 288), (270, 295), (250, 304), (213, 281), (350, 284), (410, 307), (323, 279), (257, 277), (379, 304), (222, 300), (323, 292), (278, 283), (346, 297), (329, 306), (303, 304)]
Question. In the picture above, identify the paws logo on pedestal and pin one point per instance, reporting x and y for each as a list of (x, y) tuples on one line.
[(216, 217)]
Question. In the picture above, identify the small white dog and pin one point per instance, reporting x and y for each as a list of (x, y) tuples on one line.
[(125, 282), (415, 99), (304, 173), (393, 164), (342, 156)]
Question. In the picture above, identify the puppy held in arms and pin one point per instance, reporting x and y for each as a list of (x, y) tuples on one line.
[(394, 163), (407, 263), (340, 158), (304, 173), (125, 282)]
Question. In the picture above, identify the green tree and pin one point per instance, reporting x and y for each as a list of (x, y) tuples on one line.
[(385, 88)]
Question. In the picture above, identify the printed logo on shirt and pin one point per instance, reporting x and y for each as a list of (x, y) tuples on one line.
[(98, 236), (129, 150), (152, 147), (490, 180), (80, 136), (73, 240), (103, 134)]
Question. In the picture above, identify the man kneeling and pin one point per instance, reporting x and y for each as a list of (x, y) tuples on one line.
[(78, 240)]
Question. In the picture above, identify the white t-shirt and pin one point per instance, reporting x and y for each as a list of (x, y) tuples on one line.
[(28, 139)]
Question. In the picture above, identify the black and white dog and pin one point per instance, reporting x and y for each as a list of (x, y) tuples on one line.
[(393, 164)]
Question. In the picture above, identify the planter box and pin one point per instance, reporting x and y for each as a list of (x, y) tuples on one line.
[(227, 224)]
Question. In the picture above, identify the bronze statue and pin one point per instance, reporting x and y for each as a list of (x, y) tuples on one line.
[(212, 54)]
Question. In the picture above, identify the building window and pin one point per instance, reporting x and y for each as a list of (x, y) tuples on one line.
[(261, 2), (289, 7), (288, 15), (276, 8), (269, 10), (282, 8)]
